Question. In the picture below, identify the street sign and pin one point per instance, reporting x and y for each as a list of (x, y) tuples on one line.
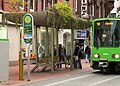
[(28, 36), (28, 28), (79, 34)]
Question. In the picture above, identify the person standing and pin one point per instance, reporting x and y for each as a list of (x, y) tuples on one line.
[(40, 50), (79, 57), (75, 55), (87, 52), (55, 51), (63, 54), (59, 53)]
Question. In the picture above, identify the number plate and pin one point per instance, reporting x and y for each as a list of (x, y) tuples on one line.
[(103, 64)]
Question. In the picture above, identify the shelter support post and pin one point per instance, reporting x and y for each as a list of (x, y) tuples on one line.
[(57, 40), (47, 43), (52, 54), (71, 62), (36, 49)]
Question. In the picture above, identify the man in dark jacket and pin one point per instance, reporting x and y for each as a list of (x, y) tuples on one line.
[(77, 57), (87, 52)]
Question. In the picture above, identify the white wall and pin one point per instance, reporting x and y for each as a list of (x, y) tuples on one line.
[(4, 61), (0, 17), (60, 37), (68, 37), (13, 36), (116, 3)]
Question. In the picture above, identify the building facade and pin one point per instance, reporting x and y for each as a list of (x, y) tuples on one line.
[(99, 8), (91, 8)]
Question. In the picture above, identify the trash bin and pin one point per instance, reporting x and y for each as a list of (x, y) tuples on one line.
[(4, 60)]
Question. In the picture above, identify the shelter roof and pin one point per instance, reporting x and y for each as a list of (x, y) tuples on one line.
[(40, 19)]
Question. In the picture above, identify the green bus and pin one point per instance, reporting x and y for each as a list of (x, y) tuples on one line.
[(106, 44)]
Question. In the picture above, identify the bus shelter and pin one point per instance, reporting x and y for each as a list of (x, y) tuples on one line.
[(40, 19)]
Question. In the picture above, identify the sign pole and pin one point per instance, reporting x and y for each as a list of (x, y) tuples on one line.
[(28, 56), (20, 66), (28, 36)]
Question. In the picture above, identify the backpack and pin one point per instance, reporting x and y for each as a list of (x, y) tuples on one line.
[(80, 52)]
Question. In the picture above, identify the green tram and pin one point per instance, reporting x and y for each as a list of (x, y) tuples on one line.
[(106, 44)]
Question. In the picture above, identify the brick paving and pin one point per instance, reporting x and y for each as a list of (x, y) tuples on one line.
[(39, 75)]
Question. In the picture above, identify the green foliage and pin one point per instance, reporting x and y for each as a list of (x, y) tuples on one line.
[(15, 15), (61, 15), (17, 18), (63, 9)]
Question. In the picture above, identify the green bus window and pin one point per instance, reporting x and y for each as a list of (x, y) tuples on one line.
[(106, 33)]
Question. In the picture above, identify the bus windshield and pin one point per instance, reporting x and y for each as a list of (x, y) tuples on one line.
[(107, 33)]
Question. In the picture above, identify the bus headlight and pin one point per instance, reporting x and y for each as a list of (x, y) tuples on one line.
[(97, 55), (115, 56)]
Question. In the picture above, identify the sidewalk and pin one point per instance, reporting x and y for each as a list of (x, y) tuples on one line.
[(38, 75)]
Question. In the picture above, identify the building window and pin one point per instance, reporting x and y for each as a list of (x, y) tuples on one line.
[(92, 10), (31, 4), (36, 5), (2, 5), (76, 5), (42, 5)]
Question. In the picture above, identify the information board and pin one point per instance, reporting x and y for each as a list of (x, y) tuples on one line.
[(28, 28), (79, 34)]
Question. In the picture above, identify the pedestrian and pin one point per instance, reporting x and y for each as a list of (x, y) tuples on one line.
[(75, 56), (63, 54), (88, 53), (79, 57), (68, 55), (55, 51), (40, 50), (59, 53)]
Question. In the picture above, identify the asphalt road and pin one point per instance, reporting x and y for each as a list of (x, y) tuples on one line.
[(88, 78)]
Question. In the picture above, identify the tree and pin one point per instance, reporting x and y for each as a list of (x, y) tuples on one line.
[(62, 15), (15, 12)]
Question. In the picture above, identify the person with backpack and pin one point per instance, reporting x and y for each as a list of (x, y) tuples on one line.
[(40, 50), (77, 57), (87, 52)]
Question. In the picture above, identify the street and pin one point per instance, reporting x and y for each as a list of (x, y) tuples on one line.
[(87, 78)]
